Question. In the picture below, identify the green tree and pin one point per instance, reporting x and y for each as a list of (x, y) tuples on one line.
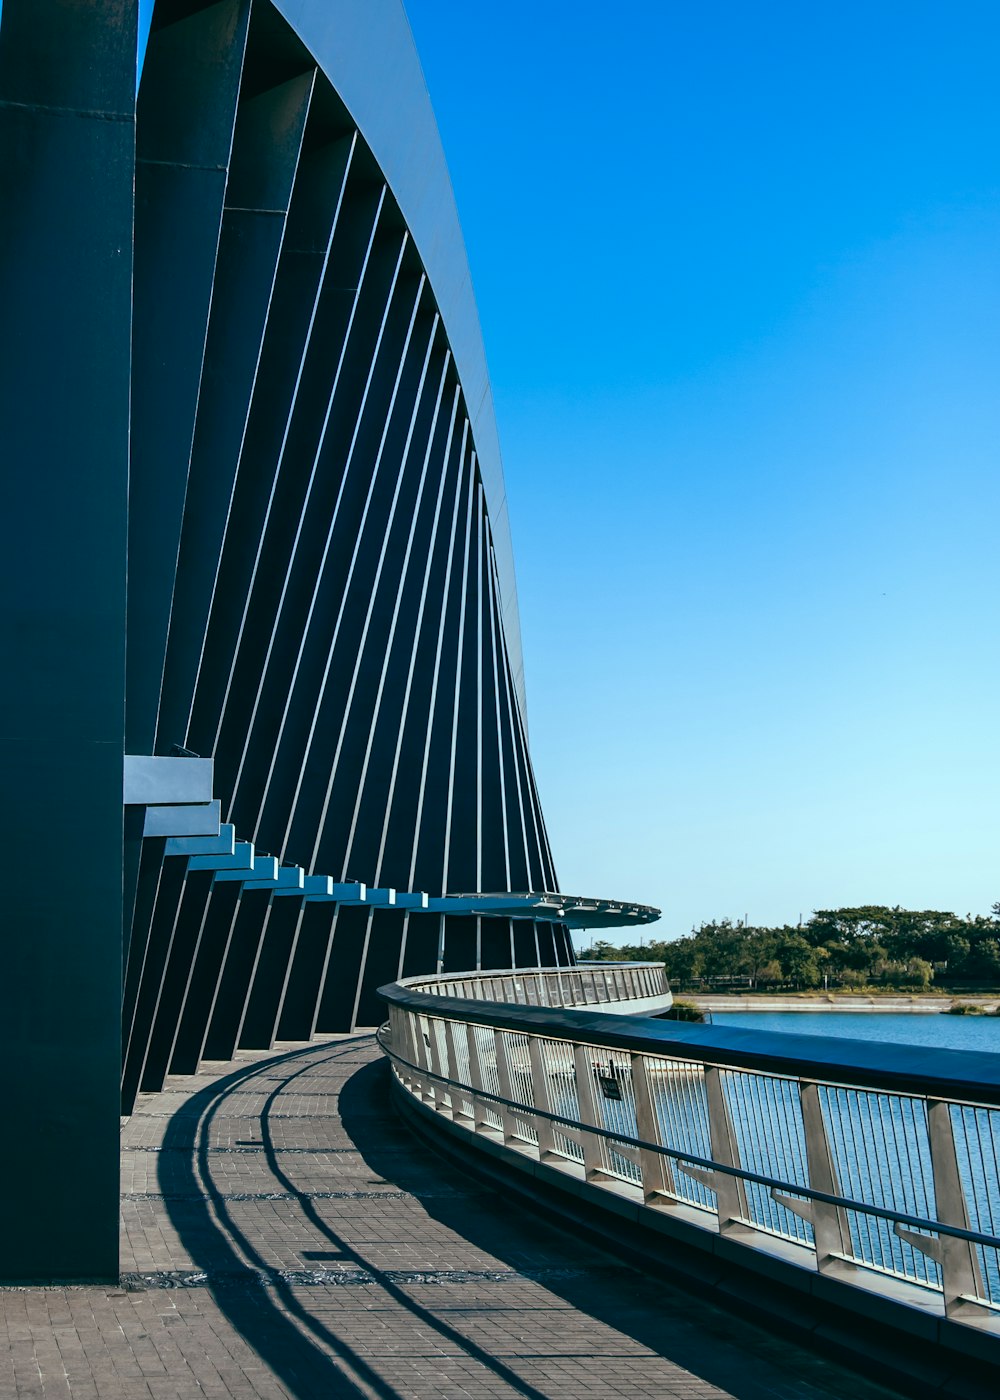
[(851, 945), (757, 953), (917, 972), (682, 959), (720, 945), (799, 960), (983, 962)]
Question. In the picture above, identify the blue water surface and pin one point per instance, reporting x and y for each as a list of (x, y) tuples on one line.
[(908, 1028)]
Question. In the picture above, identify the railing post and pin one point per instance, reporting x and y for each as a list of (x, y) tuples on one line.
[(397, 1041), (541, 1097), (961, 1276), (730, 1192), (593, 1160), (657, 1173), (831, 1229)]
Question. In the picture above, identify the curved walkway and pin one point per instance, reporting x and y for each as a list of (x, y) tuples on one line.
[(284, 1236)]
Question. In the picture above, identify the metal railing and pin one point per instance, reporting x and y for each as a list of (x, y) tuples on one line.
[(596, 984), (875, 1164)]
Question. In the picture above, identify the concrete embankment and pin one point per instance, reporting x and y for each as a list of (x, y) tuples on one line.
[(886, 1005)]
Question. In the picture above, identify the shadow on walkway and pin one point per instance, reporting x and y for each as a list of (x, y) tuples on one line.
[(743, 1360), (198, 1211), (271, 1311)]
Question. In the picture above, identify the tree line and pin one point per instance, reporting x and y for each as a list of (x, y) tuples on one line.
[(837, 948)]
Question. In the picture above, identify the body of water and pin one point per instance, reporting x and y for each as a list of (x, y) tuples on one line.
[(934, 1028)]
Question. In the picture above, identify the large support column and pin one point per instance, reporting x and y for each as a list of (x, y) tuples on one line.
[(67, 144)]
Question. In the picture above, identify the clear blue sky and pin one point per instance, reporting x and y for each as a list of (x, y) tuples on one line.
[(737, 268)]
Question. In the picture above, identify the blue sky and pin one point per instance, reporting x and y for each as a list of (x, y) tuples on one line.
[(737, 272)]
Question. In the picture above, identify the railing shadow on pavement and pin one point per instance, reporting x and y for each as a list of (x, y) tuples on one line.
[(238, 1276), (745, 1361), (235, 1273), (266, 1308)]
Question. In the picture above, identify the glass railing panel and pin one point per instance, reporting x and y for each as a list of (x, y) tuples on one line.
[(557, 1060), (677, 1088), (881, 1154), (766, 1114), (486, 1063), (514, 1048), (460, 1066), (615, 1103)]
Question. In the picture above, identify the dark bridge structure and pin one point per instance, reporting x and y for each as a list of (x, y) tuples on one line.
[(263, 727)]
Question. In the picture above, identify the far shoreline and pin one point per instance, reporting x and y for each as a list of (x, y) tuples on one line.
[(854, 1002)]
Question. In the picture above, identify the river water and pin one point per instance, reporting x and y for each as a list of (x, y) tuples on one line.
[(910, 1028)]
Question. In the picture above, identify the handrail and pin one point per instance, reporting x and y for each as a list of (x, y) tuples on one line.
[(969, 1076), (806, 1192), (578, 986), (870, 1160)]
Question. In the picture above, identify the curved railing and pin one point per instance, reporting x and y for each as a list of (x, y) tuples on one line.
[(873, 1168), (632, 987)]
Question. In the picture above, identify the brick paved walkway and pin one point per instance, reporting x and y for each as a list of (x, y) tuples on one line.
[(284, 1236)]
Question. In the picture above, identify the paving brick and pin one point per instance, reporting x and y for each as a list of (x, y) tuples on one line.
[(284, 1238)]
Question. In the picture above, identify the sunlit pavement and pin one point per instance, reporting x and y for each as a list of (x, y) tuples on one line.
[(285, 1236)]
